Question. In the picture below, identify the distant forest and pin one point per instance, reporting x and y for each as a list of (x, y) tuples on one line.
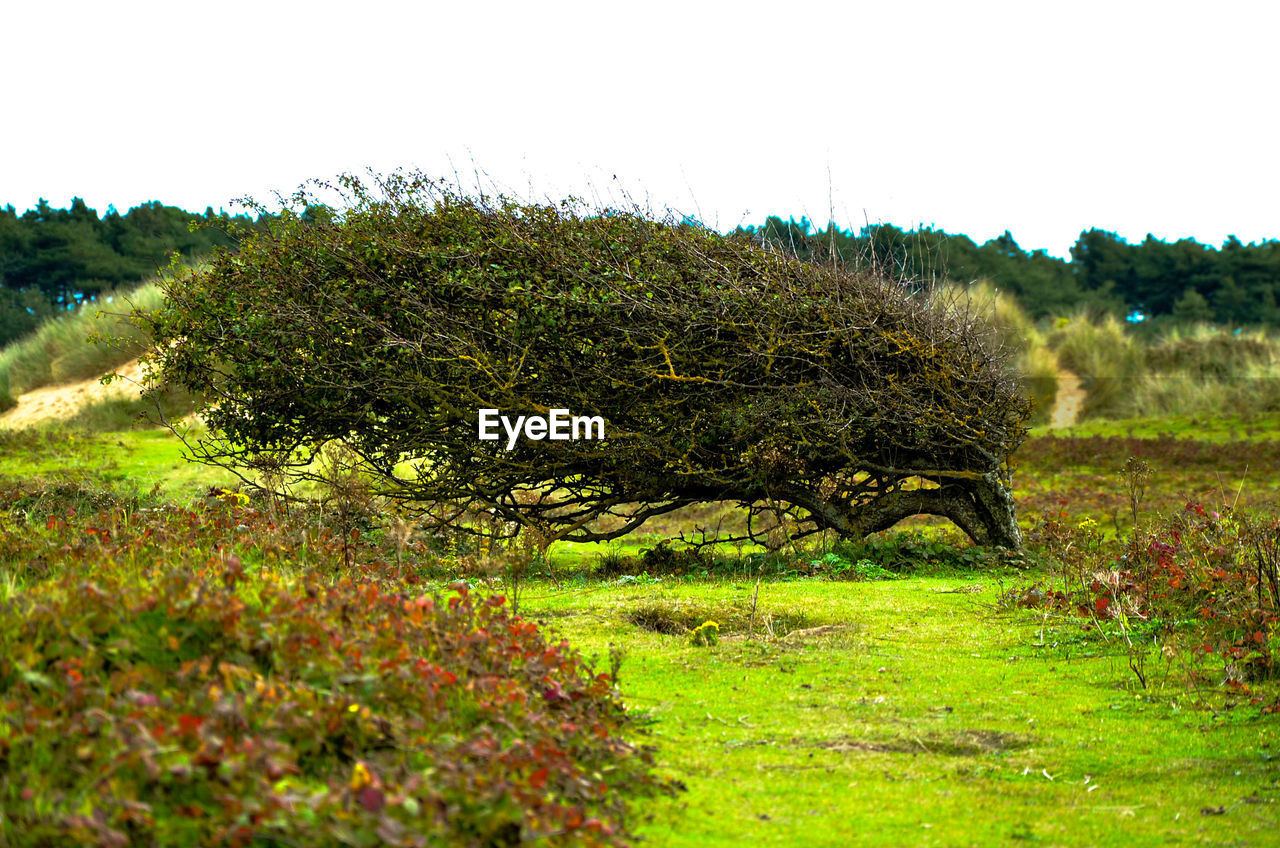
[(51, 259), (1235, 284)]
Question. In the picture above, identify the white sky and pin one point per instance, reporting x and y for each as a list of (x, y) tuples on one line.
[(1042, 117)]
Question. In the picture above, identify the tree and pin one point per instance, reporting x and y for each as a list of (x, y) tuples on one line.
[(1232, 305), (70, 255), (21, 312), (1103, 262), (1192, 308), (723, 370)]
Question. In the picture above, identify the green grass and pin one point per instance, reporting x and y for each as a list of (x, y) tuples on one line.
[(139, 460), (914, 711), (1200, 428), (925, 717), (131, 412)]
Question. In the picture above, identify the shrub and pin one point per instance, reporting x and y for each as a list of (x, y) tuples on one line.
[(901, 552), (1204, 581), (37, 501), (663, 559), (724, 371), (613, 563), (863, 569), (181, 707), (673, 617), (1220, 570), (705, 635)]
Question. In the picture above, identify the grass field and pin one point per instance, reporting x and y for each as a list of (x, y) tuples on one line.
[(922, 710), (925, 716)]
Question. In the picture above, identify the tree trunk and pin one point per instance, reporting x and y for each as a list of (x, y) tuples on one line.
[(1000, 516), (982, 507)]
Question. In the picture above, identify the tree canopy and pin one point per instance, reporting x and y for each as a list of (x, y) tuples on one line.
[(724, 370)]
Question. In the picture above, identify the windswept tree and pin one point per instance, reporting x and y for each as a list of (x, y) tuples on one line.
[(723, 370)]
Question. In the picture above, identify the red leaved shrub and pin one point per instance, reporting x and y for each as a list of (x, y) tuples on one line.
[(185, 706), (1202, 580)]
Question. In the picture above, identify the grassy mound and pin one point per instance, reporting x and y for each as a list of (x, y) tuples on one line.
[(62, 350), (193, 700), (83, 345), (1197, 370)]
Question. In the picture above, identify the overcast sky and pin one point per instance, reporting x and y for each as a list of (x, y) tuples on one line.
[(1044, 118)]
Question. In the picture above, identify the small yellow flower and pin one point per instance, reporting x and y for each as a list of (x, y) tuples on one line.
[(360, 777), (233, 498), (1086, 524)]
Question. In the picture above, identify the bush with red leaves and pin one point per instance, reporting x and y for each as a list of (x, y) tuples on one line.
[(210, 706)]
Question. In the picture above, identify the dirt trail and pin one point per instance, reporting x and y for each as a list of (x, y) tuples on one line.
[(1068, 402), (60, 402)]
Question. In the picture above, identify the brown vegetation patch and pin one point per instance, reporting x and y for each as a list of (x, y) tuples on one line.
[(678, 617), (963, 743)]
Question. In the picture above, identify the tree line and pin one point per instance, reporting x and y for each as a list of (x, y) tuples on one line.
[(52, 259), (1184, 280)]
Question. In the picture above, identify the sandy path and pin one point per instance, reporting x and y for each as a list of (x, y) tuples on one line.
[(1068, 402), (59, 402)]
